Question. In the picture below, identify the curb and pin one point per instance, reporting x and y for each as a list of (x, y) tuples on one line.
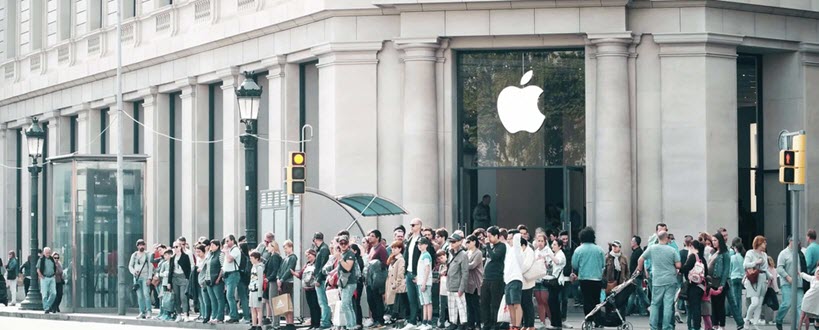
[(124, 321)]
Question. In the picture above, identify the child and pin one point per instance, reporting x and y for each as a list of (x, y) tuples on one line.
[(810, 302), (424, 282), (441, 267), (706, 306), (256, 288), (166, 307)]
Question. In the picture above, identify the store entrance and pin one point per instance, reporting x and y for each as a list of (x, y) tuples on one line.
[(552, 198)]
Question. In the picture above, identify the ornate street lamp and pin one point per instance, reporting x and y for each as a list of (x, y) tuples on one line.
[(34, 138), (249, 96)]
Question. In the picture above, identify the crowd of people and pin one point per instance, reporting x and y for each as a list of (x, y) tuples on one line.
[(491, 278)]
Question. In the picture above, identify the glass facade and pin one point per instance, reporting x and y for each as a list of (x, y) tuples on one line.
[(85, 226), (538, 178)]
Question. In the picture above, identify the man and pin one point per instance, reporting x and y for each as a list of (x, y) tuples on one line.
[(480, 215), (412, 255), (179, 272), (46, 268), (12, 271), (397, 236), (230, 271), (524, 232), (140, 267), (588, 261), (441, 240), (570, 288), (346, 261), (784, 268), (262, 247), (429, 233), (322, 255), (638, 299), (457, 278), (666, 263), (812, 252), (493, 285), (513, 277), (377, 264)]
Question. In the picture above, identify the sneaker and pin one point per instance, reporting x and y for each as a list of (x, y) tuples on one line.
[(231, 321), (567, 326), (180, 318), (779, 326), (678, 319), (410, 326), (140, 316)]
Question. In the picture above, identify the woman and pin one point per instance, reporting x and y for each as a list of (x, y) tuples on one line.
[(59, 279), (359, 262), (720, 265), (201, 278), (527, 304), (543, 254), (616, 271), (694, 271), (12, 272), (588, 261), (706, 241), (396, 293), (473, 284), (271, 272), (285, 278), (4, 299), (756, 265), (735, 282), (554, 281), (215, 283), (308, 281)]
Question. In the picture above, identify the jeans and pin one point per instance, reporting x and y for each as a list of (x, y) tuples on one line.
[(555, 305), (590, 290), (49, 289), (180, 297), (443, 308), (638, 302), (491, 295), (756, 293), (528, 307), (662, 301), (718, 308), (56, 305), (414, 301), (321, 292), (204, 302), (244, 297), (315, 309), (216, 293), (143, 294), (786, 301), (376, 302), (231, 283), (694, 307), (564, 300), (347, 305), (473, 307), (12, 283), (735, 300)]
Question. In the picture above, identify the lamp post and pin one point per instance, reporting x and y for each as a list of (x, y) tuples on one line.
[(248, 96), (34, 139)]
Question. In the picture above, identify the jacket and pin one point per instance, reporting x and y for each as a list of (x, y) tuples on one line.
[(611, 274), (287, 265), (396, 283), (528, 263), (184, 263), (272, 266), (135, 266), (495, 255), (632, 262), (322, 255), (720, 266), (416, 255), (58, 272), (457, 275), (13, 269), (475, 280)]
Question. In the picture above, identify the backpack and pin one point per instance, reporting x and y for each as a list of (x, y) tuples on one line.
[(244, 269), (377, 276), (308, 277), (697, 274)]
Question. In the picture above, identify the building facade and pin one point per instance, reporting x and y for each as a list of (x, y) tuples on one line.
[(650, 111)]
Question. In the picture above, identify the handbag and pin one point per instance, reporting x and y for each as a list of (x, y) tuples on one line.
[(771, 299), (683, 295), (752, 274), (536, 272), (610, 286), (551, 282), (135, 286)]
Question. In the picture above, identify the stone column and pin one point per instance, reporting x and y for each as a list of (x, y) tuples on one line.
[(276, 107), (194, 177), (347, 117), (420, 131), (612, 217), (233, 208), (88, 131), (8, 224), (127, 129), (810, 65), (157, 173), (699, 130)]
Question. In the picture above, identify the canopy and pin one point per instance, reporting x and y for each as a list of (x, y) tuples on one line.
[(370, 205)]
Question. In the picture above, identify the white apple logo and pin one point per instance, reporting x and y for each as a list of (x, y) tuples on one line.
[(517, 107)]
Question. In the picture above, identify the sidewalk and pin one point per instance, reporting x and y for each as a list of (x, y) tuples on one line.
[(129, 319)]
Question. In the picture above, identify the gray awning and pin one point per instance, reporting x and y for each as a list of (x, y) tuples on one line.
[(370, 205)]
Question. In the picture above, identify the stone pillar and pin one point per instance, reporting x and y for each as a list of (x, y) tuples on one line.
[(612, 215), (420, 131), (127, 129), (233, 178), (347, 117), (157, 173), (699, 130), (810, 65), (276, 108), (390, 122), (194, 177), (88, 131), (8, 218)]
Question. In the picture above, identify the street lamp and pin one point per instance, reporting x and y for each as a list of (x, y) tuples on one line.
[(34, 138), (249, 96)]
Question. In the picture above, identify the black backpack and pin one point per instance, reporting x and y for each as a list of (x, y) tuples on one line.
[(244, 269)]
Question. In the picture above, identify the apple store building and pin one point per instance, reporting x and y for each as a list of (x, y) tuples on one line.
[(610, 113)]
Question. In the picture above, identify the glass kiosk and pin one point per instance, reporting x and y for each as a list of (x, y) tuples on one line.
[(84, 200)]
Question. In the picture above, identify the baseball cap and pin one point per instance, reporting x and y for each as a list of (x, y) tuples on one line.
[(455, 237)]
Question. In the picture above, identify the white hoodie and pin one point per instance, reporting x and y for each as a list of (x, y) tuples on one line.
[(513, 262)]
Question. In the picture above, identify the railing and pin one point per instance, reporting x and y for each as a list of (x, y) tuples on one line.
[(64, 54), (35, 62), (9, 71), (128, 32), (246, 4), (202, 10), (94, 44), (163, 21)]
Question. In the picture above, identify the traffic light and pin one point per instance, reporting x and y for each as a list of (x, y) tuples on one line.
[(296, 173), (792, 162)]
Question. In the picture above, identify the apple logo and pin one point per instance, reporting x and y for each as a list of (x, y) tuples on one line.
[(517, 107)]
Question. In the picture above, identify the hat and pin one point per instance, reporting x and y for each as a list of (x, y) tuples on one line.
[(423, 240), (455, 237), (616, 242), (344, 239)]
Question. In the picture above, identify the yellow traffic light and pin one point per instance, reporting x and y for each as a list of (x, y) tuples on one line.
[(792, 162), (296, 173)]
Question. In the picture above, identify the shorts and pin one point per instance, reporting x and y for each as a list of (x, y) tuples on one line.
[(287, 288), (426, 296), (513, 292)]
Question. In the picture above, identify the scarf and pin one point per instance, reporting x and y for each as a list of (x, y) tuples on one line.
[(616, 260)]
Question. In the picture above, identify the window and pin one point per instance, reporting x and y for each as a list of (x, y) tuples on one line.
[(65, 19), (95, 14), (37, 14), (129, 8), (9, 40), (749, 131)]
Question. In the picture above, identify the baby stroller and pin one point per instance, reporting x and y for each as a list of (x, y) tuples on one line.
[(607, 313)]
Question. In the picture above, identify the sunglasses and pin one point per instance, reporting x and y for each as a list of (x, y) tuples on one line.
[(413, 225), (176, 247), (343, 243), (57, 257)]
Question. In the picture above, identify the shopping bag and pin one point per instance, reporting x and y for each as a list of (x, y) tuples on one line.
[(338, 317), (282, 304), (503, 312), (333, 296)]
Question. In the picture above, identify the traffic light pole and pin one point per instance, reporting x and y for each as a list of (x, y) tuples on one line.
[(793, 190)]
